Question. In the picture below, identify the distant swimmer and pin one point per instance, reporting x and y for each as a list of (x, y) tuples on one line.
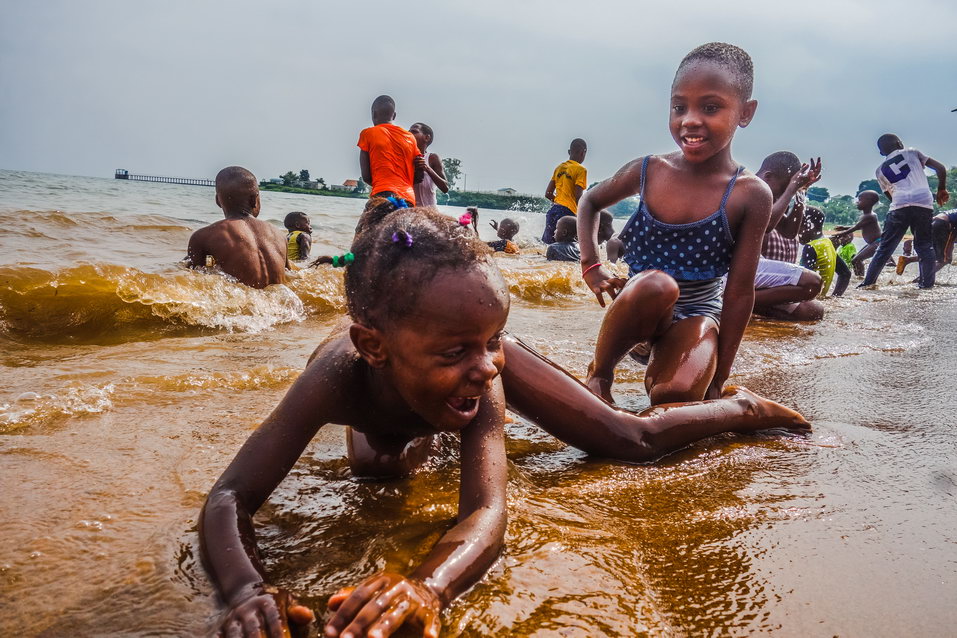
[(387, 154), (506, 231), (569, 180), (299, 237), (565, 247), (869, 226), (901, 176), (242, 246)]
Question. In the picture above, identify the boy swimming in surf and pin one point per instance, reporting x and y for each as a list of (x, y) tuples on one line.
[(701, 216), (569, 180), (242, 246), (565, 246), (387, 154), (299, 237), (425, 352), (506, 231)]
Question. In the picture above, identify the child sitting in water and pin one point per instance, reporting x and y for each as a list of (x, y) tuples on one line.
[(565, 246), (425, 352), (299, 237), (506, 231), (701, 216), (820, 255)]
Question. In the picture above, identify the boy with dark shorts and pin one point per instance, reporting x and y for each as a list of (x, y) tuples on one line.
[(569, 181), (901, 176), (242, 246), (387, 154), (869, 226)]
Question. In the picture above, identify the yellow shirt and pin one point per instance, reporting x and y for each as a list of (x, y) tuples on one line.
[(567, 176)]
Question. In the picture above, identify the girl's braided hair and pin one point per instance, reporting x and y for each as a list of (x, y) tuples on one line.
[(399, 251)]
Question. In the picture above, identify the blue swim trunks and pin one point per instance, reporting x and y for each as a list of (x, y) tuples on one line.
[(952, 218), (556, 212)]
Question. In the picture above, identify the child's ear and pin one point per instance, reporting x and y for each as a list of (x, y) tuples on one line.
[(218, 203), (747, 114), (370, 345)]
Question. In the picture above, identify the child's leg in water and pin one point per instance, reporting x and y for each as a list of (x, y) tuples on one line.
[(643, 309), (551, 398), (385, 457), (683, 361)]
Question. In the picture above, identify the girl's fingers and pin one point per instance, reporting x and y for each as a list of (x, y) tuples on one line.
[(339, 597), (372, 611), (391, 620), (300, 614), (357, 601)]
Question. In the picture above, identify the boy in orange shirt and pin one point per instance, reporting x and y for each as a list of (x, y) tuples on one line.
[(565, 188), (387, 154)]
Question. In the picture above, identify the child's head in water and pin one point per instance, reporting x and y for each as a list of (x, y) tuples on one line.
[(605, 228), (566, 229), (429, 307), (710, 99), (507, 229), (297, 220)]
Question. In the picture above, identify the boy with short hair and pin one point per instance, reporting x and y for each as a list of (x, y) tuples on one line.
[(242, 246), (299, 237), (565, 247), (569, 181), (506, 230), (869, 226), (387, 154), (820, 255), (901, 176)]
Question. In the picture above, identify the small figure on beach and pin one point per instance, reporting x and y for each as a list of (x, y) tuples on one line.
[(701, 216), (869, 226), (569, 180), (783, 289), (387, 154), (299, 237), (424, 353), (428, 167), (506, 231), (901, 176), (565, 246), (241, 245), (820, 255)]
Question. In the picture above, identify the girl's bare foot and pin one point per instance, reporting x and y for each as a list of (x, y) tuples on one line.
[(764, 414)]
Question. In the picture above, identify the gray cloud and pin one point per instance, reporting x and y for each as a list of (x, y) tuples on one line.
[(185, 88)]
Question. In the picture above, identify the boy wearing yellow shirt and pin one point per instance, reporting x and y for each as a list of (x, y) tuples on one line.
[(565, 188)]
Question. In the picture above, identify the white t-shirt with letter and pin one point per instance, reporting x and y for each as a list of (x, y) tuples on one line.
[(902, 175)]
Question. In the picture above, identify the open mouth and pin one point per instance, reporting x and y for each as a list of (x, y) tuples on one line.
[(463, 405), (693, 140)]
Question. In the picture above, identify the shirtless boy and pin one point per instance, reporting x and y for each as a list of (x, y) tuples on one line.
[(869, 226), (243, 247)]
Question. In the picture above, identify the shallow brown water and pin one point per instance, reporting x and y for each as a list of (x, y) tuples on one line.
[(112, 431)]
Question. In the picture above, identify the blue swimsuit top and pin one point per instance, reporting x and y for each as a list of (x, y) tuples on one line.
[(688, 252)]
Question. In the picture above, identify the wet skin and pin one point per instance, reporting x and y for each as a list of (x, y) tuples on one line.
[(244, 247), (683, 187), (435, 371)]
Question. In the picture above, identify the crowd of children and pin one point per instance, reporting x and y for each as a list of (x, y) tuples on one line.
[(425, 349)]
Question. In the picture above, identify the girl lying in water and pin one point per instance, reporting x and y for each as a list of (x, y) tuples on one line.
[(425, 353)]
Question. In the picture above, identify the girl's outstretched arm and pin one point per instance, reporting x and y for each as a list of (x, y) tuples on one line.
[(227, 537), (554, 400), (386, 601)]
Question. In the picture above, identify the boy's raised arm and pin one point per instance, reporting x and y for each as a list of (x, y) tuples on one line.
[(385, 601), (227, 536)]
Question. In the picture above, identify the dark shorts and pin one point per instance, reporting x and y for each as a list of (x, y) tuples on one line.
[(952, 218), (556, 212)]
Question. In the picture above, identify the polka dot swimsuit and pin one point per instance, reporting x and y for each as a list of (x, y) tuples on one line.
[(688, 252)]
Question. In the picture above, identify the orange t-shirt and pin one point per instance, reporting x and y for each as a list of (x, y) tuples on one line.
[(391, 151)]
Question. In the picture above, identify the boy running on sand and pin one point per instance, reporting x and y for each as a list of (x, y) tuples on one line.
[(564, 190), (901, 176), (387, 154), (243, 247)]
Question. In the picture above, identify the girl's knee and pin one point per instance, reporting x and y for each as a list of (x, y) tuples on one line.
[(811, 283), (653, 285)]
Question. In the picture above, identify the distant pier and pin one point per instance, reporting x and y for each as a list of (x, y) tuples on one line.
[(122, 173)]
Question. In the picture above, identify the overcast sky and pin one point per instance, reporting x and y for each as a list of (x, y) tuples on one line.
[(186, 87)]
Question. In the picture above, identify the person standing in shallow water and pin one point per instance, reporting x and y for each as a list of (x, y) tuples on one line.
[(387, 154), (564, 190), (243, 246), (428, 166)]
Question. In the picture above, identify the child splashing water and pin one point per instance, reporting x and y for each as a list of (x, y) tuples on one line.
[(701, 216), (425, 353)]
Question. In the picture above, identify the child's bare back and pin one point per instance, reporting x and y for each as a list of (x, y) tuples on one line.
[(244, 247)]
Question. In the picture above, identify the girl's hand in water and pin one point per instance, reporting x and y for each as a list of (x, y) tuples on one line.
[(382, 604), (270, 612), (600, 281)]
